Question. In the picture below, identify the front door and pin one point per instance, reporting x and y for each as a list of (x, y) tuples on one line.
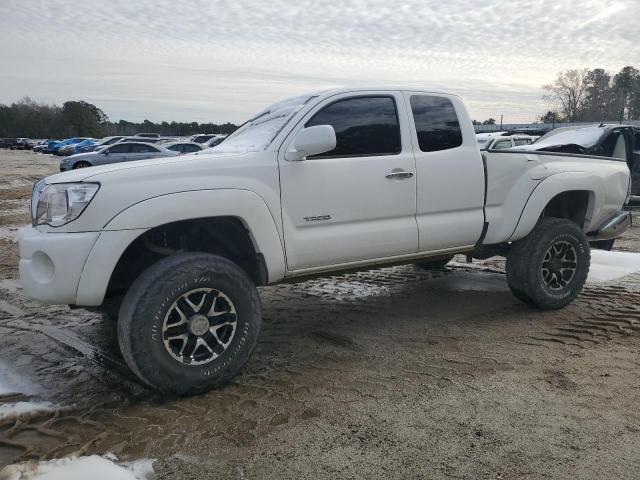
[(358, 201)]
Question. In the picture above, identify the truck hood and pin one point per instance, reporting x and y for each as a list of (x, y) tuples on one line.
[(82, 174)]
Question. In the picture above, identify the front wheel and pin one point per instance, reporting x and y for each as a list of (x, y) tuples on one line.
[(189, 323), (81, 165), (548, 268)]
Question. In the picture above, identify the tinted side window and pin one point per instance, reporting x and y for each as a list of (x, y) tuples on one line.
[(143, 148), (123, 148), (436, 123), (521, 141), (190, 148), (609, 144), (502, 144), (363, 125)]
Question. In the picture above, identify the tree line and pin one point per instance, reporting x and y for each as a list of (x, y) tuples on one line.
[(577, 95), (27, 118), (593, 95)]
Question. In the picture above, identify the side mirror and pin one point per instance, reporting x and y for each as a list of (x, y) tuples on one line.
[(312, 141), (106, 152)]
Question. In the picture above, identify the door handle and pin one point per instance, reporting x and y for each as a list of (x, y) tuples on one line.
[(399, 174)]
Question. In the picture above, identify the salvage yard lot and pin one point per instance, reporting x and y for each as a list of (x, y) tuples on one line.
[(440, 374)]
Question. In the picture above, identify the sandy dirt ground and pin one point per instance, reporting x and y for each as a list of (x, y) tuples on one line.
[(383, 374)]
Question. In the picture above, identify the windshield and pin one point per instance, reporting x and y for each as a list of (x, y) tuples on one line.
[(257, 133), (483, 143)]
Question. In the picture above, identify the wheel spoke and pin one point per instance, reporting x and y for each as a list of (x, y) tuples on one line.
[(559, 265), (209, 303), (185, 306), (175, 331), (213, 343), (222, 319), (189, 346), (195, 307), (182, 331)]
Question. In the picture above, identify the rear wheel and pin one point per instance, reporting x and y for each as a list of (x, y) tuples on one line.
[(438, 264), (189, 323), (548, 268)]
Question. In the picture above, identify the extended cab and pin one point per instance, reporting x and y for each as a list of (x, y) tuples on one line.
[(337, 180)]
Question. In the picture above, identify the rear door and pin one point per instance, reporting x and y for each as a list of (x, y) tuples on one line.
[(358, 201), (450, 174)]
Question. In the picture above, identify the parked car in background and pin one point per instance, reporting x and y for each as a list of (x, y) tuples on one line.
[(100, 143), (66, 150), (72, 148), (7, 142), (183, 147), (503, 142), (148, 135), (78, 147), (202, 137), (613, 141), (23, 144), (120, 152), (54, 146), (140, 139), (16, 143), (214, 141), (40, 147)]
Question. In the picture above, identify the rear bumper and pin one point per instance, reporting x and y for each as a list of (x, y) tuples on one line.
[(613, 227)]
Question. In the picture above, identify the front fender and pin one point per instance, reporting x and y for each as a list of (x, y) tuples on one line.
[(603, 202), (246, 205)]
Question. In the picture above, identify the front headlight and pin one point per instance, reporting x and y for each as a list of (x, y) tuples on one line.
[(61, 203)]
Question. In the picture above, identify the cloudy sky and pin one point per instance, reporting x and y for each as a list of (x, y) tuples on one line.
[(219, 60)]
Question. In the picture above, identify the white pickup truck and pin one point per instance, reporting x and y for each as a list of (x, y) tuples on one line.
[(338, 180)]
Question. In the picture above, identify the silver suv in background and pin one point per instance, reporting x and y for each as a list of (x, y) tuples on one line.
[(504, 142), (120, 152)]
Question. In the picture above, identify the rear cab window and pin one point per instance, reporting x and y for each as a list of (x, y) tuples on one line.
[(436, 121)]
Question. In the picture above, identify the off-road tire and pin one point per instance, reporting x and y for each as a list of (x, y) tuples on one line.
[(525, 264), (434, 264), (148, 301)]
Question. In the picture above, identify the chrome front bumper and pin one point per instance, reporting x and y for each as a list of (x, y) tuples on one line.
[(613, 227)]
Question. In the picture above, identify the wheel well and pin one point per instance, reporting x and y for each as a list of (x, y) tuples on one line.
[(224, 236), (571, 205)]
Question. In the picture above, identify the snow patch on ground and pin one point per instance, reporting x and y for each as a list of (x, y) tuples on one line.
[(607, 266), (80, 468), (8, 410), (12, 383)]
